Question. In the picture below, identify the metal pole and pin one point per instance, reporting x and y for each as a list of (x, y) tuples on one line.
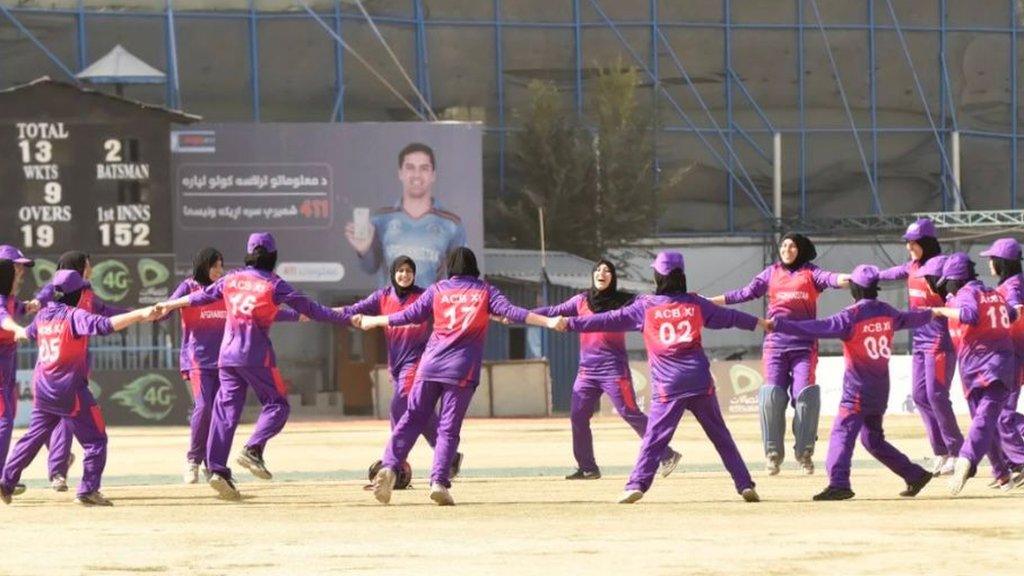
[(955, 153), (777, 177), (543, 242)]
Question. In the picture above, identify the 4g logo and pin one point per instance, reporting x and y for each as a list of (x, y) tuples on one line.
[(151, 397)]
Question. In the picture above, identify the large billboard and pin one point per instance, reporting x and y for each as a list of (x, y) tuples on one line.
[(339, 199)]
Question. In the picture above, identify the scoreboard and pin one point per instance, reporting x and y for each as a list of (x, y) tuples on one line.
[(81, 185), (84, 170)]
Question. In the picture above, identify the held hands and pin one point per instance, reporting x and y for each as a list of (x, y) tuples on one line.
[(361, 245), (32, 306), (500, 320), (558, 323), (21, 335), (304, 318), (766, 324), (843, 280)]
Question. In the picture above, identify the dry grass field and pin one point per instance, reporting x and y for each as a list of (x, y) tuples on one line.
[(515, 515)]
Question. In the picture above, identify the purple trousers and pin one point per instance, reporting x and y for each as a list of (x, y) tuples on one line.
[(845, 429), (8, 402), (982, 439), (662, 425), (586, 399), (88, 427), (59, 445), (400, 405), (932, 374), (227, 411), (791, 369), (205, 382), (423, 402)]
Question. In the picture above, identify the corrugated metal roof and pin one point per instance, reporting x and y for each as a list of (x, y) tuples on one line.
[(563, 269), (44, 81)]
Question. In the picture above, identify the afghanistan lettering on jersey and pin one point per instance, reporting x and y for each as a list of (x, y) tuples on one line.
[(793, 292), (210, 316)]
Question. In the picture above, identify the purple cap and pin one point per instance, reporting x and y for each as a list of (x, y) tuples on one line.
[(68, 281), (957, 267), (666, 262), (1006, 248), (923, 227), (264, 239), (933, 267), (8, 252), (865, 275)]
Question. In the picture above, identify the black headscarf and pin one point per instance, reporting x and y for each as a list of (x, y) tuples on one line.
[(6, 277), (805, 251), (933, 283), (398, 262), (954, 286), (610, 298), (672, 283), (202, 263), (929, 247), (73, 260), (462, 262), (1005, 269)]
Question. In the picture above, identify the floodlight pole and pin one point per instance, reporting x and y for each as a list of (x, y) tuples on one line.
[(954, 153)]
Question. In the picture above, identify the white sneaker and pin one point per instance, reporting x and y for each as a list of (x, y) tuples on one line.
[(225, 488), (440, 494), (961, 472), (773, 463), (630, 496), (943, 466), (806, 461), (59, 483), (750, 495), (191, 475), (668, 465), (383, 484)]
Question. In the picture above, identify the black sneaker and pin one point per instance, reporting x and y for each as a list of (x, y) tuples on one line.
[(913, 488), (456, 466), (19, 488), (5, 495), (581, 474), (832, 493), (252, 460)]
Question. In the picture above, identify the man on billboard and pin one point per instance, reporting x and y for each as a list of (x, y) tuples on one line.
[(415, 226)]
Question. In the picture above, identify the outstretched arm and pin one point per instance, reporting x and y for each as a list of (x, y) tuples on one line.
[(757, 288), (835, 326)]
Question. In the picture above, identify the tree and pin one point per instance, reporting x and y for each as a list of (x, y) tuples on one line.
[(594, 183)]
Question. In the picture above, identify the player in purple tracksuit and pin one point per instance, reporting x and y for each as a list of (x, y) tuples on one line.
[(405, 347), (1004, 264), (932, 354), (202, 330), (59, 444), (671, 322), (252, 296), (603, 369), (449, 370), (12, 271), (867, 329), (792, 286), (979, 323), (61, 386)]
